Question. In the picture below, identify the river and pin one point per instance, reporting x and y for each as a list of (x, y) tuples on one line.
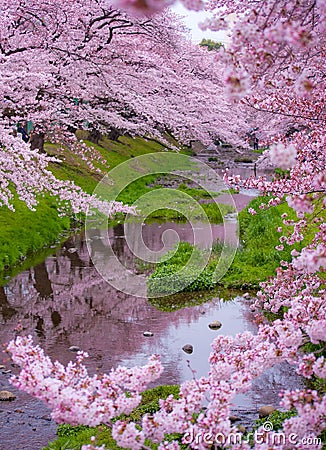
[(64, 302)]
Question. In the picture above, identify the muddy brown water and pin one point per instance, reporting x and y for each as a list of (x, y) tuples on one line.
[(64, 302)]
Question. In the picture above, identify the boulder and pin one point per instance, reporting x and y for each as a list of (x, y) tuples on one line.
[(7, 396), (265, 411), (215, 325), (188, 348)]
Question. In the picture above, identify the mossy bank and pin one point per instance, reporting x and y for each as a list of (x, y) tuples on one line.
[(74, 437), (254, 261), (25, 235)]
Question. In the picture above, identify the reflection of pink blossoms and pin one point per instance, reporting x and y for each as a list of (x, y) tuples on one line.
[(283, 157)]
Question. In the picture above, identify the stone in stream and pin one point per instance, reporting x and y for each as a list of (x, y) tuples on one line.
[(215, 325), (234, 419), (7, 396), (72, 250), (148, 334), (265, 411), (74, 348), (2, 367), (6, 371), (46, 417), (188, 348)]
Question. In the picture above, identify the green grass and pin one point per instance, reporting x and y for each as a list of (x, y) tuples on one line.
[(178, 205), (169, 275), (197, 193), (187, 210), (73, 438), (257, 259), (24, 232)]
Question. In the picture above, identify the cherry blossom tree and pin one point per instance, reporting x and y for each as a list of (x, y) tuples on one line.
[(69, 65)]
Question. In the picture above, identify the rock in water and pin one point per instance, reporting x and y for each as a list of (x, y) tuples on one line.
[(215, 325), (148, 334), (188, 348), (74, 348), (265, 411), (7, 396), (234, 419)]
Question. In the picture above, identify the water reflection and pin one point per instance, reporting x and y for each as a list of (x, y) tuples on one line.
[(42, 282), (7, 312), (64, 302)]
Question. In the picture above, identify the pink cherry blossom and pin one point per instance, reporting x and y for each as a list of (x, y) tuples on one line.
[(142, 76), (283, 157)]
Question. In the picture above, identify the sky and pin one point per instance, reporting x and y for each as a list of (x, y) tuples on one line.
[(191, 19)]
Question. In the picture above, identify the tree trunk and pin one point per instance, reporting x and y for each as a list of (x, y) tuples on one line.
[(37, 142), (94, 136), (114, 134)]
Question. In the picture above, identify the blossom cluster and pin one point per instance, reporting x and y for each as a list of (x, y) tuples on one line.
[(100, 69), (74, 396)]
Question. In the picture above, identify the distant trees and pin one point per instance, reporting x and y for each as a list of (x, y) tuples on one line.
[(210, 44), (65, 65)]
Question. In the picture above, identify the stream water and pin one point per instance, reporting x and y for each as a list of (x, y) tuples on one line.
[(64, 302)]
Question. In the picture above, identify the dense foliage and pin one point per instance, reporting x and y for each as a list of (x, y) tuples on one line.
[(276, 67), (210, 44), (74, 65)]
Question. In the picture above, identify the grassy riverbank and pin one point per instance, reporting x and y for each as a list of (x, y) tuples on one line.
[(26, 237), (74, 437), (256, 259), (24, 232)]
